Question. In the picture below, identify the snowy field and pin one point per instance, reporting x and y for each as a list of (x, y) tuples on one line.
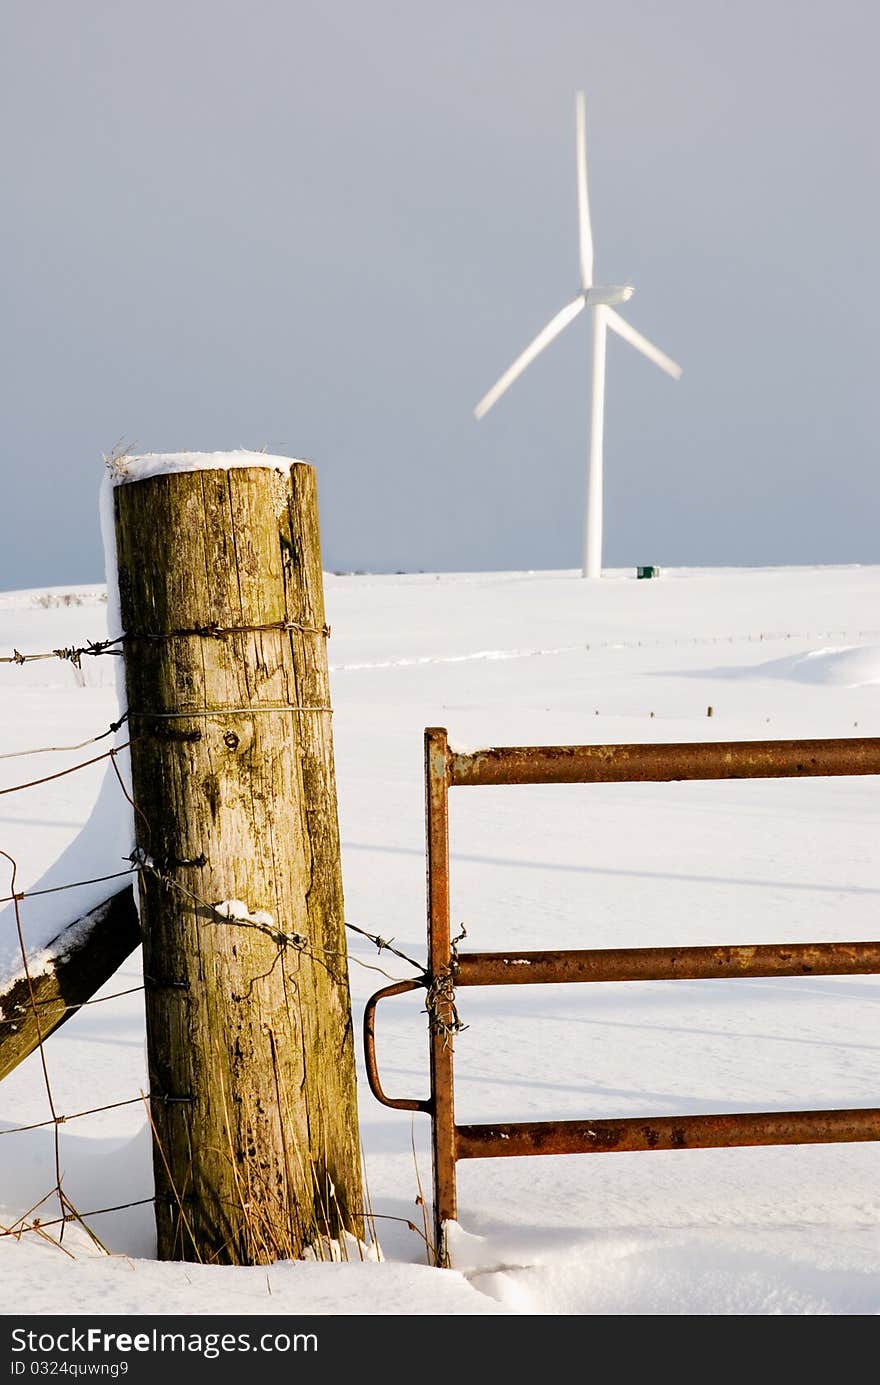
[(535, 658)]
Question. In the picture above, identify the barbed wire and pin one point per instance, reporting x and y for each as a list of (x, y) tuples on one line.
[(214, 630), (209, 629), (299, 942), (73, 654), (383, 944), (440, 1006), (253, 709)]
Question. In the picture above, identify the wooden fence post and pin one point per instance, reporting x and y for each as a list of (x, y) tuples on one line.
[(252, 1077)]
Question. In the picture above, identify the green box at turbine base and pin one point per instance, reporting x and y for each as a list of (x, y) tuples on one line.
[(649, 571)]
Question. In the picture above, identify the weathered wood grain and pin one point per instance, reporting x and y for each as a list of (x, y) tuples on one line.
[(250, 1040), (85, 955)]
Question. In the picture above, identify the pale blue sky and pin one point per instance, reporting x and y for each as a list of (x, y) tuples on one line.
[(327, 228)]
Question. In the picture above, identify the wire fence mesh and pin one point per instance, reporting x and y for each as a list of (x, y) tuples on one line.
[(55, 1201)]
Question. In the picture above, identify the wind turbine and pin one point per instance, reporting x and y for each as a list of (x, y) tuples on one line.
[(601, 301)]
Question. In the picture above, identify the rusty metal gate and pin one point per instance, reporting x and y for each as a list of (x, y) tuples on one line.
[(449, 969)]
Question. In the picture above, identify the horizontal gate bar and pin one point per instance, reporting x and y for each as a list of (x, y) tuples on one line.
[(667, 1132), (667, 963), (608, 764)]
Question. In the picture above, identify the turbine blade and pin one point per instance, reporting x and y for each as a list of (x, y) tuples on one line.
[(585, 232), (556, 325), (642, 344)]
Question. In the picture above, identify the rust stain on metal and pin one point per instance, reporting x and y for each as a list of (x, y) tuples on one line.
[(729, 1131), (397, 1103), (609, 764), (667, 963), (437, 780), (586, 764)]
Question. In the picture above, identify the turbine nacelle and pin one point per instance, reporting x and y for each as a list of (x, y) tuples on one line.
[(608, 297)]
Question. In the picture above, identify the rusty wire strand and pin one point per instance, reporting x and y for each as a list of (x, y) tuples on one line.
[(384, 945), (38, 1225), (49, 1003), (139, 862), (440, 992), (209, 629), (66, 1207), (250, 711), (72, 769), (143, 862), (61, 749), (74, 1115), (298, 941), (134, 807), (213, 630), (440, 1006), (62, 1200), (72, 885), (371, 966), (73, 654), (281, 938)]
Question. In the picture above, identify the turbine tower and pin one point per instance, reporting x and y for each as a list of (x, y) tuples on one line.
[(602, 301)]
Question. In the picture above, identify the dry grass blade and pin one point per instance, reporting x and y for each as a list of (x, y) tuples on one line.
[(420, 1200), (158, 1144)]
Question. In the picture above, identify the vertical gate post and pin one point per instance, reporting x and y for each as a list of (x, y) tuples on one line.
[(439, 962), (252, 1082)]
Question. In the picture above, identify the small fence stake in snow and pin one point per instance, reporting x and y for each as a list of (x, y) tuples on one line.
[(252, 1081)]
